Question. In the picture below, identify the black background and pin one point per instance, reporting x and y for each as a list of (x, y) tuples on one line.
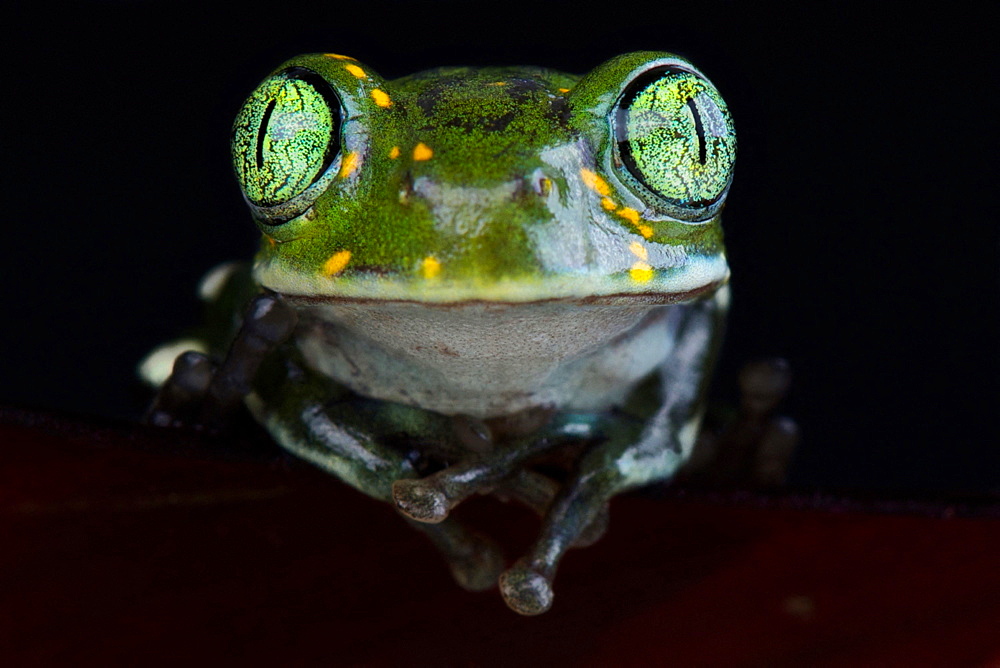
[(862, 227)]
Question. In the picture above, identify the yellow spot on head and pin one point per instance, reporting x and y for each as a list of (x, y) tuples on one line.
[(336, 263), (564, 90), (356, 71), (394, 152), (337, 56), (645, 230), (350, 164), (641, 272), (422, 152), (608, 204), (498, 83), (430, 267), (593, 181), (631, 215), (381, 98), (638, 250)]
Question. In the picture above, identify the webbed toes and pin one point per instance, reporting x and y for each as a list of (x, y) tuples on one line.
[(525, 590), (420, 501)]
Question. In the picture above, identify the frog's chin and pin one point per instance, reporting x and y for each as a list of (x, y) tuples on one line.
[(675, 285)]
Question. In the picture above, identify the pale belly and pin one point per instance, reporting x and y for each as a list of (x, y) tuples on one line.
[(486, 360)]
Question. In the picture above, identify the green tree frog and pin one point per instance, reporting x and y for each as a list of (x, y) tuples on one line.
[(504, 281)]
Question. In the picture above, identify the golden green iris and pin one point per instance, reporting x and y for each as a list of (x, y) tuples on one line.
[(676, 136), (285, 136)]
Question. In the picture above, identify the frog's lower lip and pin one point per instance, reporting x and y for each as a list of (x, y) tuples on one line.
[(619, 298)]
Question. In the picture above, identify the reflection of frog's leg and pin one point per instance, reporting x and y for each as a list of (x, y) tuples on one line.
[(369, 445), (646, 447), (475, 560)]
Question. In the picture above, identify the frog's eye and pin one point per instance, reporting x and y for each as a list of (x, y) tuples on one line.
[(675, 137), (284, 139)]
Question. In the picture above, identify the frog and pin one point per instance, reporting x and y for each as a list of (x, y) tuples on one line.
[(473, 281)]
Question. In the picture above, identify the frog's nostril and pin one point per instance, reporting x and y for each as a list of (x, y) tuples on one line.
[(541, 184), (405, 188)]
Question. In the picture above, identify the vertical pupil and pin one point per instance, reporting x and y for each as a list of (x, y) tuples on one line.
[(698, 129), (286, 137), (675, 137), (263, 131)]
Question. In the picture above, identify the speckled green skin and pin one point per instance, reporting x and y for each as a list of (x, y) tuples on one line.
[(478, 284), (496, 135)]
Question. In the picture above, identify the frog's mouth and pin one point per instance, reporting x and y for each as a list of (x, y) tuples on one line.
[(693, 279), (615, 299)]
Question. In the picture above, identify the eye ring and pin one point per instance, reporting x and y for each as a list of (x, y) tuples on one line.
[(674, 139), (285, 141)]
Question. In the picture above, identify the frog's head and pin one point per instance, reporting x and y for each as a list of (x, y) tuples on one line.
[(496, 184)]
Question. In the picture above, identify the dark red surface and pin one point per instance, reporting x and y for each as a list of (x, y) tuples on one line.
[(124, 546)]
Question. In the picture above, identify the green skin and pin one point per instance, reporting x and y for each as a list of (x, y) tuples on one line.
[(449, 193)]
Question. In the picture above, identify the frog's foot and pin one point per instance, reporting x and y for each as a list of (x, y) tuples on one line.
[(578, 516), (200, 394), (421, 500), (537, 492), (763, 385), (475, 560), (430, 499), (181, 394), (526, 590), (480, 568)]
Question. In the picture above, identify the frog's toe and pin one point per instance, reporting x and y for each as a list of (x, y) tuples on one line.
[(525, 590), (420, 501), (479, 569)]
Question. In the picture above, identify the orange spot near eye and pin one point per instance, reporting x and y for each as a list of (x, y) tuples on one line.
[(356, 71), (595, 182), (394, 153), (631, 215), (381, 98), (498, 83), (337, 56), (422, 152), (641, 272), (336, 263), (430, 267), (608, 204), (271, 241), (564, 90), (350, 164)]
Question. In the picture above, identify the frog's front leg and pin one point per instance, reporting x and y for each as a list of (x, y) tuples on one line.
[(430, 499), (370, 445), (634, 452), (198, 392)]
